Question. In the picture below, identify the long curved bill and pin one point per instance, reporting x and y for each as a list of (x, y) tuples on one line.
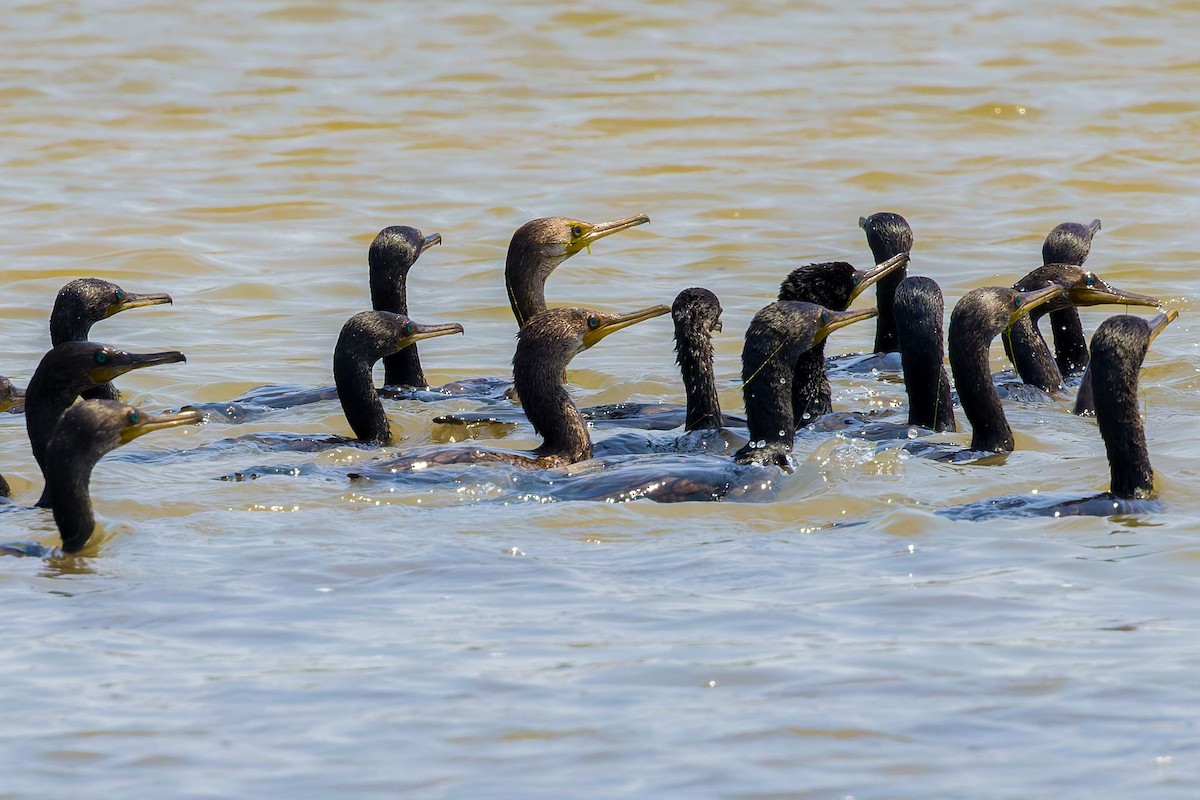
[(157, 422), (1094, 226), (832, 320), (865, 278), (1092, 290), (131, 300), (430, 240), (1028, 301), (611, 324), (432, 331), (1160, 323)]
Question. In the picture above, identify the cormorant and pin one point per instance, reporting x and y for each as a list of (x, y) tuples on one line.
[(365, 338), (540, 245), (888, 235), (545, 346), (84, 302), (976, 319), (778, 335), (1068, 243), (1118, 348), (1026, 347), (9, 396), (392, 254), (85, 432), (833, 285), (63, 373)]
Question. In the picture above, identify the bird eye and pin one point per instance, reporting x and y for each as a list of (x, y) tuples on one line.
[(1016, 302), (857, 278), (1091, 279), (120, 295), (824, 317), (134, 417), (410, 329), (101, 357), (577, 231), (593, 322)]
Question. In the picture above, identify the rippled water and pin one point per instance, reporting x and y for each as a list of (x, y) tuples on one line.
[(295, 636)]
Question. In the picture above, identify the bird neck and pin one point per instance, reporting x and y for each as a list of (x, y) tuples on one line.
[(886, 339), (811, 395), (389, 292), (550, 409), (51, 391), (360, 401), (1070, 345), (767, 374), (71, 458), (978, 397), (1124, 435), (925, 381), (525, 274), (694, 354), (1031, 357)]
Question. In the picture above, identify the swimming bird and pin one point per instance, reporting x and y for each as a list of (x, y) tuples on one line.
[(365, 338), (778, 335), (833, 285), (391, 256), (1118, 348), (85, 301), (85, 432), (1068, 243), (545, 346), (1026, 347), (977, 318), (888, 235), (63, 373), (539, 246)]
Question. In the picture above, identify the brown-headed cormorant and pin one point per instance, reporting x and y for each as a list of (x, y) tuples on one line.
[(540, 245), (86, 301), (833, 285), (63, 373), (392, 254), (778, 335), (365, 338), (85, 432), (977, 318)]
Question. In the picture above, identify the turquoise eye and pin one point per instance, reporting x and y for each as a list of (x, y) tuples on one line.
[(824, 317), (1016, 302), (857, 278), (134, 417), (120, 295), (593, 322), (1091, 279), (410, 329), (102, 357)]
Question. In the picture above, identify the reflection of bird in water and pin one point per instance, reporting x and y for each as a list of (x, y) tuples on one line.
[(833, 285), (545, 346), (1118, 348), (977, 318), (85, 301), (62, 375), (85, 432)]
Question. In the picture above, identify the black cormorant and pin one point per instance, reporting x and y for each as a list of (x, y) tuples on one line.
[(63, 373), (977, 318), (888, 235), (85, 432), (919, 311), (365, 338), (833, 285), (392, 254), (778, 335), (86, 301), (1118, 348)]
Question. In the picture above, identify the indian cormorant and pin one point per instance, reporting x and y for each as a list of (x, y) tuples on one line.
[(86, 301), (888, 235), (392, 254)]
